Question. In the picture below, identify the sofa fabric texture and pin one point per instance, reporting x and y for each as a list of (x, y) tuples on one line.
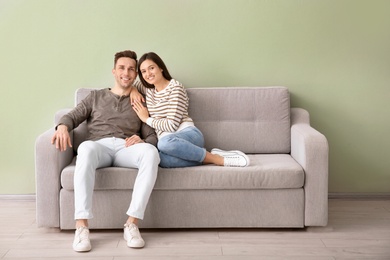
[(286, 184)]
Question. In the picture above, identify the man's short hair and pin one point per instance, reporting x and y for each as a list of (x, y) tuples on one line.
[(125, 54)]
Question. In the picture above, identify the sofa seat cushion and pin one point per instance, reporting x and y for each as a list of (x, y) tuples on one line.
[(267, 171)]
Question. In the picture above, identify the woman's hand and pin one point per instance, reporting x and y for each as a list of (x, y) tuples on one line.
[(135, 95), (141, 110)]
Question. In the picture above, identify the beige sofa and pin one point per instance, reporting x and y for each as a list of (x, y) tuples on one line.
[(286, 184)]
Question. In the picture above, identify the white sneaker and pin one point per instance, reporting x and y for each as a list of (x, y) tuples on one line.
[(81, 242), (232, 158), (133, 236)]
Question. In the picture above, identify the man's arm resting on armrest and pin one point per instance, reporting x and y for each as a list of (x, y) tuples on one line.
[(61, 138)]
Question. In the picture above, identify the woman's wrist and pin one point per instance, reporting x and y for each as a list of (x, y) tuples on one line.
[(149, 121)]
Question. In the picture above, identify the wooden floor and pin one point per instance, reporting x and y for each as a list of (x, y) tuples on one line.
[(358, 229)]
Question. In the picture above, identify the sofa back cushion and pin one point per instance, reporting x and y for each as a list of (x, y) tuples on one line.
[(250, 119)]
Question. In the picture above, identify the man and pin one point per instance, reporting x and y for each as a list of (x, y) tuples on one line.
[(114, 139)]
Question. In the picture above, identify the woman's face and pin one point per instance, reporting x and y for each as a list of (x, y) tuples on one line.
[(151, 73)]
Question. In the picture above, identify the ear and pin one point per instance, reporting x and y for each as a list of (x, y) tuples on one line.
[(113, 71)]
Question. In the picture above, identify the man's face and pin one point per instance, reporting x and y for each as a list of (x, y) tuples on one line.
[(124, 72)]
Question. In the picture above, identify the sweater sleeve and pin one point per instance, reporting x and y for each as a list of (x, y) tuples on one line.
[(148, 134), (138, 85), (169, 115), (78, 114)]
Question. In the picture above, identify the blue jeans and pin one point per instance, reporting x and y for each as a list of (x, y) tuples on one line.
[(182, 149)]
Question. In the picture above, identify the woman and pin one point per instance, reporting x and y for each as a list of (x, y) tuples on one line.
[(180, 142)]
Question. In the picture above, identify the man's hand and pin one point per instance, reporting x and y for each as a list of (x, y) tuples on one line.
[(136, 96), (134, 139), (61, 138)]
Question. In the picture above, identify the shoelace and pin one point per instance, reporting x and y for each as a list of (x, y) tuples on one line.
[(83, 234), (133, 230)]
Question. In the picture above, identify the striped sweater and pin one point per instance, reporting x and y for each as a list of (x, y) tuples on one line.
[(168, 108)]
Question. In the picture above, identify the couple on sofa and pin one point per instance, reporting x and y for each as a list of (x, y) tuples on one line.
[(123, 132)]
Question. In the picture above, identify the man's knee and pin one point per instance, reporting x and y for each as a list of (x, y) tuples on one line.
[(150, 153), (86, 146), (87, 150)]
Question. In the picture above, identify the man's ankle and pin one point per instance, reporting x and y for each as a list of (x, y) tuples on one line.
[(132, 220), (81, 223)]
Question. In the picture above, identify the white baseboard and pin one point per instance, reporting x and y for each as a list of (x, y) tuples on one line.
[(359, 195)]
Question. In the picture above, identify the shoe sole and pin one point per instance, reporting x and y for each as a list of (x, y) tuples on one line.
[(226, 153), (82, 250), (124, 237)]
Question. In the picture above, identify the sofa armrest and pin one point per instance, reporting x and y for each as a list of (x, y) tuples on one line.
[(49, 163), (310, 149)]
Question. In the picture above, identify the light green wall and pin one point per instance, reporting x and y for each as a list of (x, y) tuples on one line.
[(334, 55)]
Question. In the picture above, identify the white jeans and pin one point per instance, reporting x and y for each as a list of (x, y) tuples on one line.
[(112, 152)]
